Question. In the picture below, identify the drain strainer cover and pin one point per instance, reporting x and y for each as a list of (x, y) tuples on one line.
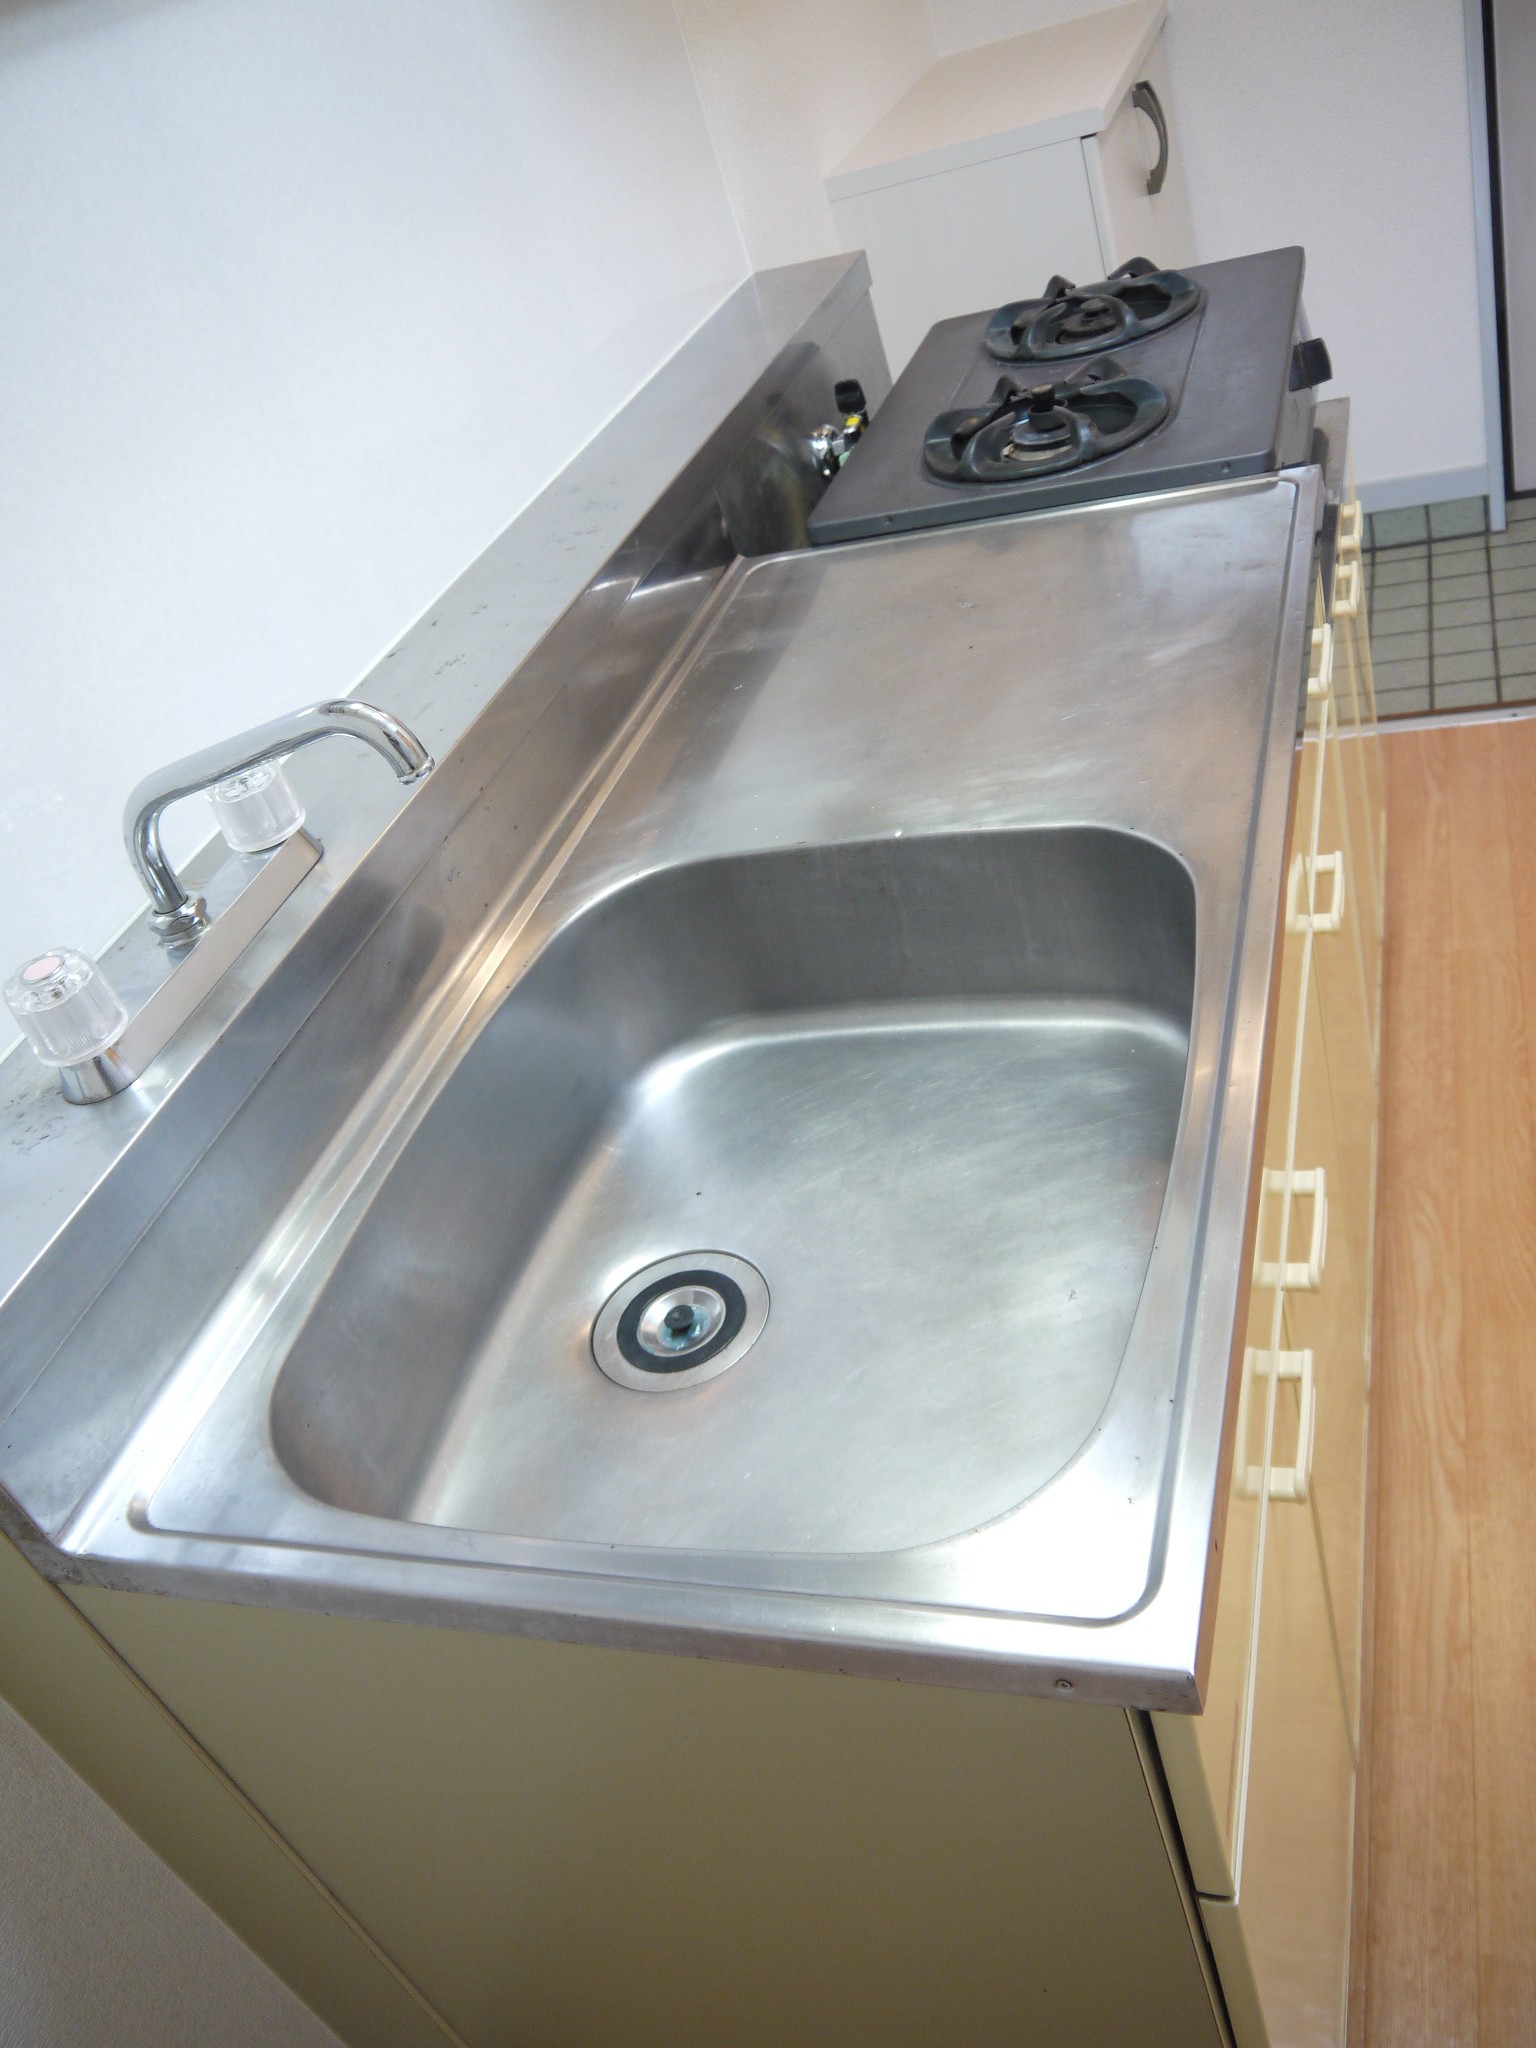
[(679, 1321)]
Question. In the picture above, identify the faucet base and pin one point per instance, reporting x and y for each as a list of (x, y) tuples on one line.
[(189, 922), (98, 1079), (191, 967)]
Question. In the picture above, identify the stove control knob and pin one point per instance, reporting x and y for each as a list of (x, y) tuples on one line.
[(832, 444), (848, 397), (1310, 364)]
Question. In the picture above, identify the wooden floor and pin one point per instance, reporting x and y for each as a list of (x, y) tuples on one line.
[(1447, 1948)]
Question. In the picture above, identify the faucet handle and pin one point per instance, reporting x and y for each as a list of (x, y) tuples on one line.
[(72, 1017), (256, 809)]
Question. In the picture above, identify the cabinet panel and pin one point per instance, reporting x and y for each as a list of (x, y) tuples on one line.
[(1345, 952), (1205, 1756), (565, 1845), (1323, 1328), (1361, 766), (1287, 1655), (62, 1678), (965, 240), (1321, 663), (1293, 1897)]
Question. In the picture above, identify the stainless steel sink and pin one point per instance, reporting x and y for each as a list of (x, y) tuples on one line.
[(928, 1087), (899, 943)]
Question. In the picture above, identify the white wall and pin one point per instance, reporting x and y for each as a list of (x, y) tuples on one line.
[(1343, 128), (101, 1944), (789, 87), (303, 302)]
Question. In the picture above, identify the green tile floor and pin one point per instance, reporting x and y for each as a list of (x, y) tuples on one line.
[(1453, 607)]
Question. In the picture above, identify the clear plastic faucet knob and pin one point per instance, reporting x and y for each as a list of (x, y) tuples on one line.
[(257, 809), (66, 1006)]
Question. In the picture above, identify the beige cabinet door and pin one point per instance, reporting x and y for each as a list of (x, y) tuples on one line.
[(1282, 1946), (1275, 1866), (1205, 1756), (1355, 692), (1324, 1404), (1292, 1906), (1346, 950)]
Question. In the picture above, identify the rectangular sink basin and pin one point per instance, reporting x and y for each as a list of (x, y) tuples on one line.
[(928, 1088)]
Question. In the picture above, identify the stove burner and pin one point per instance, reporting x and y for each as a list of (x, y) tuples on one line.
[(1135, 300), (1033, 430)]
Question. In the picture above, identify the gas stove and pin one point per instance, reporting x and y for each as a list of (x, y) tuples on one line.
[(1149, 380)]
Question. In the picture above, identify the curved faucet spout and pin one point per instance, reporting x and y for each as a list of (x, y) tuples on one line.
[(174, 914)]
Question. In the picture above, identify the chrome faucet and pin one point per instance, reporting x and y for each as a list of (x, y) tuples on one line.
[(175, 915)]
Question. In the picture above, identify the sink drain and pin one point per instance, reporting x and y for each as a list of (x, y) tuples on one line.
[(680, 1321)]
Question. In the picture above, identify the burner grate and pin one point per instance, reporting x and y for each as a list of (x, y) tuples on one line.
[(1029, 430), (1070, 320)]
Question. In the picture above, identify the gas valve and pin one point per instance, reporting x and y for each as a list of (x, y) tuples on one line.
[(833, 443)]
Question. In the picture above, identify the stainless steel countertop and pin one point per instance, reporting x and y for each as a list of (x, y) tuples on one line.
[(939, 682)]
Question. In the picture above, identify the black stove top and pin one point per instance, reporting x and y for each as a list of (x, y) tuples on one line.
[(1149, 380)]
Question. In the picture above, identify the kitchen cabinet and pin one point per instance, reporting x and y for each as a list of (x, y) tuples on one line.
[(64, 1679), (1207, 1754), (1355, 689), (1322, 1328), (547, 1842), (1263, 1780), (1282, 1944), (1007, 164), (561, 1845), (1346, 955), (552, 1843)]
